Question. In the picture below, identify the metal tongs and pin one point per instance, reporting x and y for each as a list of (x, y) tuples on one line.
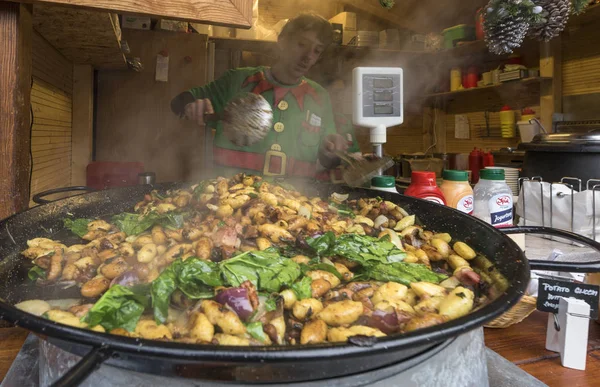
[(359, 171)]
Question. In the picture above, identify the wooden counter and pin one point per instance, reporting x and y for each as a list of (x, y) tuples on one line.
[(523, 344)]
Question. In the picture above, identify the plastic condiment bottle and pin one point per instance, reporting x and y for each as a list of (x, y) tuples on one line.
[(475, 164), (527, 114), (423, 186), (493, 199), (488, 159), (384, 183), (457, 191), (507, 122)]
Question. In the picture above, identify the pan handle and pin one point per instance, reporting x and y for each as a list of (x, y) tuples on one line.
[(80, 371), (37, 198), (575, 267)]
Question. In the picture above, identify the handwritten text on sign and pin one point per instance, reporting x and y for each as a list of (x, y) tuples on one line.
[(549, 292)]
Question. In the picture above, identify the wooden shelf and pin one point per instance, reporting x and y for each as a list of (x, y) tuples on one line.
[(256, 45), (82, 36), (591, 15), (449, 94)]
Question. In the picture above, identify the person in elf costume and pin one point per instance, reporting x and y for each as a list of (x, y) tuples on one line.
[(303, 139)]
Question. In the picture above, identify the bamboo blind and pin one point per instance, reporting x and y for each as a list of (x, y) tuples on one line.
[(51, 100)]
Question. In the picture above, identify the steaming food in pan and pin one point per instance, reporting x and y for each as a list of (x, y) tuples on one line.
[(245, 261)]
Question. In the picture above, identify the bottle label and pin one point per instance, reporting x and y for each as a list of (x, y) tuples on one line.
[(465, 204), (433, 199), (501, 210)]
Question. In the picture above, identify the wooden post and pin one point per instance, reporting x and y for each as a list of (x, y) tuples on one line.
[(83, 118), (551, 90), (15, 119)]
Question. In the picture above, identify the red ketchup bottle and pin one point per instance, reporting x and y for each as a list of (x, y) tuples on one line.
[(488, 159), (423, 186), (475, 164)]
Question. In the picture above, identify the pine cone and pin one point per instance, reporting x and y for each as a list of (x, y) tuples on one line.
[(505, 36), (556, 14)]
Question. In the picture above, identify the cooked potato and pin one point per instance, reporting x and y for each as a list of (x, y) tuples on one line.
[(324, 275), (341, 313), (314, 332), (458, 303), (224, 339), (391, 291), (148, 329), (343, 334), (427, 289), (464, 250), (201, 328), (306, 308)]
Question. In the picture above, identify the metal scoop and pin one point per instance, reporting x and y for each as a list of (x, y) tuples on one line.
[(247, 118), (360, 171)]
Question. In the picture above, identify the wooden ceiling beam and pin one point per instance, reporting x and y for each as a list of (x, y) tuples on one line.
[(234, 13), (421, 16)]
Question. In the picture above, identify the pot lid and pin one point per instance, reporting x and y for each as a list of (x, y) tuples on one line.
[(564, 142), (568, 138)]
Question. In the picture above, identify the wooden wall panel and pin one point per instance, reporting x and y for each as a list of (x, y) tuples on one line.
[(581, 60), (134, 118), (51, 100)]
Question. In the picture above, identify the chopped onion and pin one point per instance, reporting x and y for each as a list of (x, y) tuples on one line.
[(394, 238), (237, 300), (381, 219), (385, 321), (339, 197), (129, 278), (64, 303), (304, 211), (35, 307)]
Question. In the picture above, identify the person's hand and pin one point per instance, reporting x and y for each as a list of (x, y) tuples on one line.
[(329, 146), (195, 111)]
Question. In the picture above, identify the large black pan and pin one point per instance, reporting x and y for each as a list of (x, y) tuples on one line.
[(250, 364)]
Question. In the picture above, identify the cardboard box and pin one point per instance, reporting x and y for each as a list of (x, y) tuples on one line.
[(347, 19), (136, 22), (172, 25)]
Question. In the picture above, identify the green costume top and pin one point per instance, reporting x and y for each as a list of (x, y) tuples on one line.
[(344, 127), (302, 117)]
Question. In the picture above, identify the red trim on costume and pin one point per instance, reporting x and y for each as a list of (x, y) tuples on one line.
[(256, 162)]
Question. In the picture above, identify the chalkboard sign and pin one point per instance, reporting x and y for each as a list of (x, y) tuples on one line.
[(549, 292)]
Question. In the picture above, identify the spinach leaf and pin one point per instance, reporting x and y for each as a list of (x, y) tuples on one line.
[(322, 244), (302, 288), (171, 220), (271, 303), (119, 307), (321, 266), (255, 330), (366, 250), (401, 272), (342, 209), (134, 224), (77, 226), (267, 270), (36, 272), (194, 277), (162, 288)]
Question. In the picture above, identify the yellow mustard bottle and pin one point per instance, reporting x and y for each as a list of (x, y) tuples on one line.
[(458, 191)]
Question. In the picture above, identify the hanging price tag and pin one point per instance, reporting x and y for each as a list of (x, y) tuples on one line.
[(550, 291)]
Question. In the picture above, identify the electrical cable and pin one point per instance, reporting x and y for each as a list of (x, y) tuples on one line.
[(433, 128)]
